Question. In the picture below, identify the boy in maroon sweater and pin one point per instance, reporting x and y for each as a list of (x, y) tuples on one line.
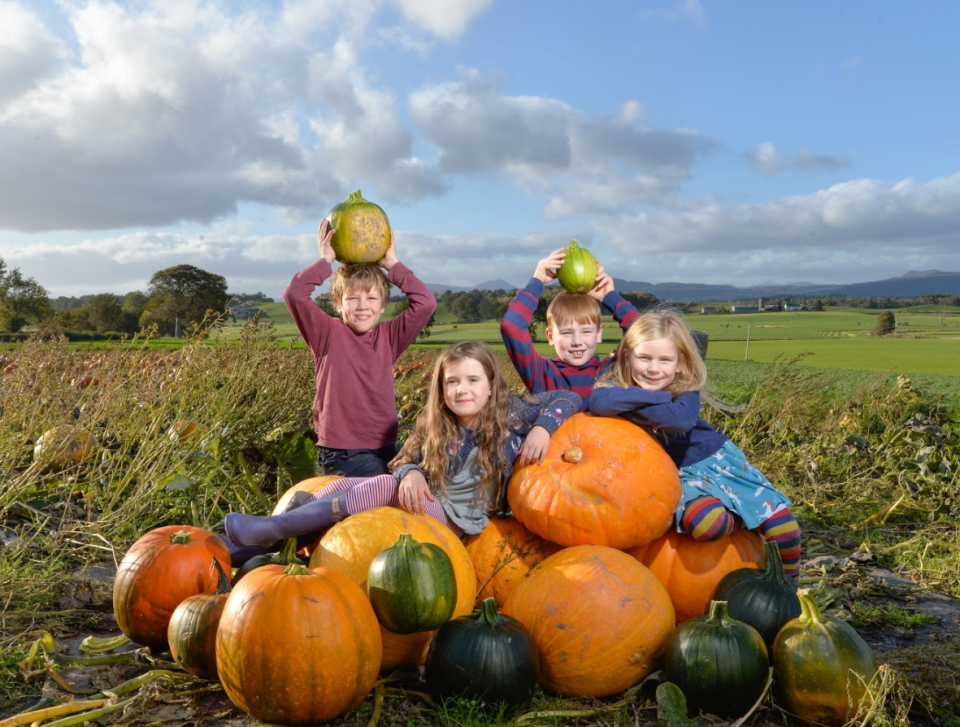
[(355, 410)]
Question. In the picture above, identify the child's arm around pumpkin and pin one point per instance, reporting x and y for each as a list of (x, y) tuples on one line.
[(648, 408), (536, 418)]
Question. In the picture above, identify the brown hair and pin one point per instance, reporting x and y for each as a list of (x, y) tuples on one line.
[(651, 326), (575, 307), (437, 428), (362, 276)]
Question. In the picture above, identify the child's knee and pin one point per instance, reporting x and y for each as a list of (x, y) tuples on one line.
[(707, 519)]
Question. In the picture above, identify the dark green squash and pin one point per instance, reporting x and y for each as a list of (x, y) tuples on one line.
[(412, 586), (192, 631), (821, 667), (579, 270), (720, 664), (764, 599), (483, 656), (286, 556), (362, 230)]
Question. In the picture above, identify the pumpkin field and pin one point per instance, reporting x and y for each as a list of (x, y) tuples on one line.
[(112, 453)]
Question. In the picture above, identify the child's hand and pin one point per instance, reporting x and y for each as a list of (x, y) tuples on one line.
[(389, 258), (324, 236), (603, 284), (413, 493), (547, 268), (534, 447)]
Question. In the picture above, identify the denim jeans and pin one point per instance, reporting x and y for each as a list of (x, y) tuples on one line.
[(356, 462)]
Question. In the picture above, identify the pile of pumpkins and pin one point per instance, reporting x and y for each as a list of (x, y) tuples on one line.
[(580, 591)]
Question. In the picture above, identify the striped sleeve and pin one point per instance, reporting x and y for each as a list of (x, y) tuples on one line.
[(515, 331)]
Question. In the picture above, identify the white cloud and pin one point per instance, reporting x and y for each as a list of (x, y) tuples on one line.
[(28, 51), (444, 18), (765, 157)]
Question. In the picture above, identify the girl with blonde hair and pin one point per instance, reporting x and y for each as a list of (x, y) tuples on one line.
[(656, 382)]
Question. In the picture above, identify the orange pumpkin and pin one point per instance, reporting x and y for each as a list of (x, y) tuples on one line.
[(599, 619), (503, 554), (163, 568), (297, 646), (691, 569), (604, 482), (63, 446), (350, 546)]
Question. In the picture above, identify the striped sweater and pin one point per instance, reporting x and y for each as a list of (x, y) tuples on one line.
[(540, 373)]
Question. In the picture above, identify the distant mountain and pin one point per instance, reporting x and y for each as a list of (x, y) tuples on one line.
[(498, 284)]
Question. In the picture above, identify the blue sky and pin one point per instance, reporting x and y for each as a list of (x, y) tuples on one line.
[(693, 141)]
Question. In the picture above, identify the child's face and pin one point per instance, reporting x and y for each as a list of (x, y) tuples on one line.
[(361, 309), (466, 390), (575, 343), (655, 364)]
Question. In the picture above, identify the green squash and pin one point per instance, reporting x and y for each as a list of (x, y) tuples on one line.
[(483, 656), (361, 230), (412, 586), (822, 667), (719, 663), (579, 270), (286, 556), (192, 631), (764, 599)]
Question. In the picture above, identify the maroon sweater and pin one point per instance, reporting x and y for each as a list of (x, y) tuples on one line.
[(355, 405)]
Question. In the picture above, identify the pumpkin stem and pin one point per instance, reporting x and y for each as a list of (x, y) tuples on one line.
[(809, 611), (774, 570), (573, 245), (223, 583), (405, 541), (355, 197), (288, 553), (181, 537), (718, 611), (572, 455), (297, 569), (488, 611)]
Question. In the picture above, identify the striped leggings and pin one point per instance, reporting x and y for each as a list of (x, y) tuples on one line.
[(366, 493), (707, 519)]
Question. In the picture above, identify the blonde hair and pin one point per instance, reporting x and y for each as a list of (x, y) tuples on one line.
[(651, 326), (437, 427), (573, 307), (362, 276)]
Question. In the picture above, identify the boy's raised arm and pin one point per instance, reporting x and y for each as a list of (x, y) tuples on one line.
[(407, 326), (312, 322)]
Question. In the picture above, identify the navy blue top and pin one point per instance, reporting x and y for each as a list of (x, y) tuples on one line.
[(688, 438)]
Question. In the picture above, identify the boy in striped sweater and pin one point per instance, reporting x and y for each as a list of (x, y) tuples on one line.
[(573, 329)]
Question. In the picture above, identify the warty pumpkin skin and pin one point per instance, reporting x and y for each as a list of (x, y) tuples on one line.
[(362, 230), (163, 568), (192, 632), (690, 569), (821, 667), (351, 545), (598, 616), (503, 554), (297, 646), (604, 481)]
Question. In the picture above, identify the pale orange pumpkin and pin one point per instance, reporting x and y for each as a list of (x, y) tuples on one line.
[(350, 546), (690, 569), (598, 616), (503, 554), (604, 481)]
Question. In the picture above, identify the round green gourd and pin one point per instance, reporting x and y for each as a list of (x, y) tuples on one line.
[(579, 270), (361, 230), (822, 667), (483, 656), (719, 663), (286, 556), (765, 599), (412, 586)]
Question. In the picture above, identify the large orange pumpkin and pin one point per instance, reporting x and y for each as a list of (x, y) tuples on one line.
[(350, 546), (503, 554), (163, 568), (296, 646), (598, 617), (604, 482), (691, 569)]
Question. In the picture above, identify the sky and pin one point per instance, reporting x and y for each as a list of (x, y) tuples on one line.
[(693, 141)]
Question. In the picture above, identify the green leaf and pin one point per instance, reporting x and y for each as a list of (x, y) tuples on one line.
[(672, 708), (177, 483)]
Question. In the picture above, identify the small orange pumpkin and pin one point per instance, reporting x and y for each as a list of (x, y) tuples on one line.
[(351, 545), (691, 569), (604, 481), (163, 568), (599, 619), (503, 554)]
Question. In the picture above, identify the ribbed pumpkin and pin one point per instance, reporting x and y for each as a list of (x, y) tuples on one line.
[(297, 646), (412, 586), (503, 554), (765, 599), (362, 230), (821, 667), (604, 481), (484, 655), (691, 569), (579, 270), (719, 663), (192, 632), (163, 568), (63, 446), (599, 619), (351, 545), (313, 485)]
